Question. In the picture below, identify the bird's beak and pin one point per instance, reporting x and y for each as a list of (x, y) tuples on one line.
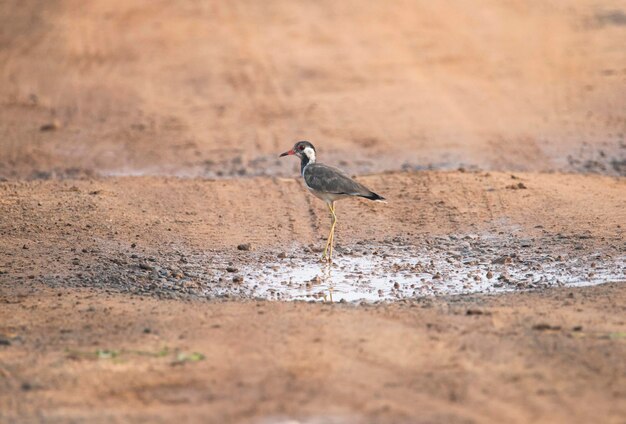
[(290, 152)]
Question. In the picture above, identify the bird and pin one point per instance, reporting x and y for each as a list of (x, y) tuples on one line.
[(328, 184)]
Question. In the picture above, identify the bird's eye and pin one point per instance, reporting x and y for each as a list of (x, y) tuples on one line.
[(301, 148)]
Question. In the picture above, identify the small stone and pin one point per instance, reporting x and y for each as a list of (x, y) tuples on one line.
[(476, 312), (244, 246), (231, 269), (51, 126), (502, 260), (282, 255), (237, 279), (489, 275), (544, 327), (396, 285), (518, 186)]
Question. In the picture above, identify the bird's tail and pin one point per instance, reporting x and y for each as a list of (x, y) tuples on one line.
[(375, 197)]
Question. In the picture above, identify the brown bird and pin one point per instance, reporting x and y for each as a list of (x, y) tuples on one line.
[(329, 184)]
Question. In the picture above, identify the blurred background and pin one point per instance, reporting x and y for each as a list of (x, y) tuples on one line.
[(219, 88)]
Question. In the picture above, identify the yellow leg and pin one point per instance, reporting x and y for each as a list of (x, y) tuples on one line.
[(332, 231), (328, 250), (328, 239)]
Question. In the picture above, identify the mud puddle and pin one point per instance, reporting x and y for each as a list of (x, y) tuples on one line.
[(389, 270), (383, 272)]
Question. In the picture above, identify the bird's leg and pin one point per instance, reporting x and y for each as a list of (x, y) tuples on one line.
[(328, 250), (325, 255), (332, 231)]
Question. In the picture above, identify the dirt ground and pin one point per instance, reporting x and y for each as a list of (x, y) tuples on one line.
[(140, 188), (85, 356), (217, 88)]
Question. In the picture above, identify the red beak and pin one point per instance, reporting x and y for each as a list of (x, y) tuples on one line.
[(290, 152)]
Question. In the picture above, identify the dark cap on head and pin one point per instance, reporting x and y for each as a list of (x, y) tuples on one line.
[(298, 148)]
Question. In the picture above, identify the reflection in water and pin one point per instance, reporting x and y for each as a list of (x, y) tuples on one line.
[(327, 280)]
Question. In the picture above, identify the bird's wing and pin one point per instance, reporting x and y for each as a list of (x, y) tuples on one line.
[(327, 179)]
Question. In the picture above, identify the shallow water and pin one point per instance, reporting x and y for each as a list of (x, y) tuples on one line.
[(389, 270), (383, 272)]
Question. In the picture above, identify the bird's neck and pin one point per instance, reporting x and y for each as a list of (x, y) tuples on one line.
[(306, 159)]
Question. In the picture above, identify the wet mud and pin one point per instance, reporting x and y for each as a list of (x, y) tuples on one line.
[(367, 271)]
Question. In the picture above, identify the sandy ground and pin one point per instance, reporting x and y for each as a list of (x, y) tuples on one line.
[(72, 352), (106, 232), (84, 356), (217, 88), (495, 129)]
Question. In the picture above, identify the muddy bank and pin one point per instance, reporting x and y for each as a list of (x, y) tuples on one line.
[(83, 355)]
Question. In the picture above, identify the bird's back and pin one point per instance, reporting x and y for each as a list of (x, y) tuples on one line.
[(327, 179)]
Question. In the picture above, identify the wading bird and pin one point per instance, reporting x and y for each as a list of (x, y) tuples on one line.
[(329, 184)]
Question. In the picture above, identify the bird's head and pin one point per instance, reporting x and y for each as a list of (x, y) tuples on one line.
[(302, 149)]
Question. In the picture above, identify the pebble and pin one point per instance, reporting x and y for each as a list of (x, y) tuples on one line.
[(51, 126), (544, 327), (502, 260), (244, 246)]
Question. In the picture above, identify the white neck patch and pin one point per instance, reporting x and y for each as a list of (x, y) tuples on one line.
[(310, 153)]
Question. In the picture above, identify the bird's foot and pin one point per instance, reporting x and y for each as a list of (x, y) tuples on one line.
[(327, 256)]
